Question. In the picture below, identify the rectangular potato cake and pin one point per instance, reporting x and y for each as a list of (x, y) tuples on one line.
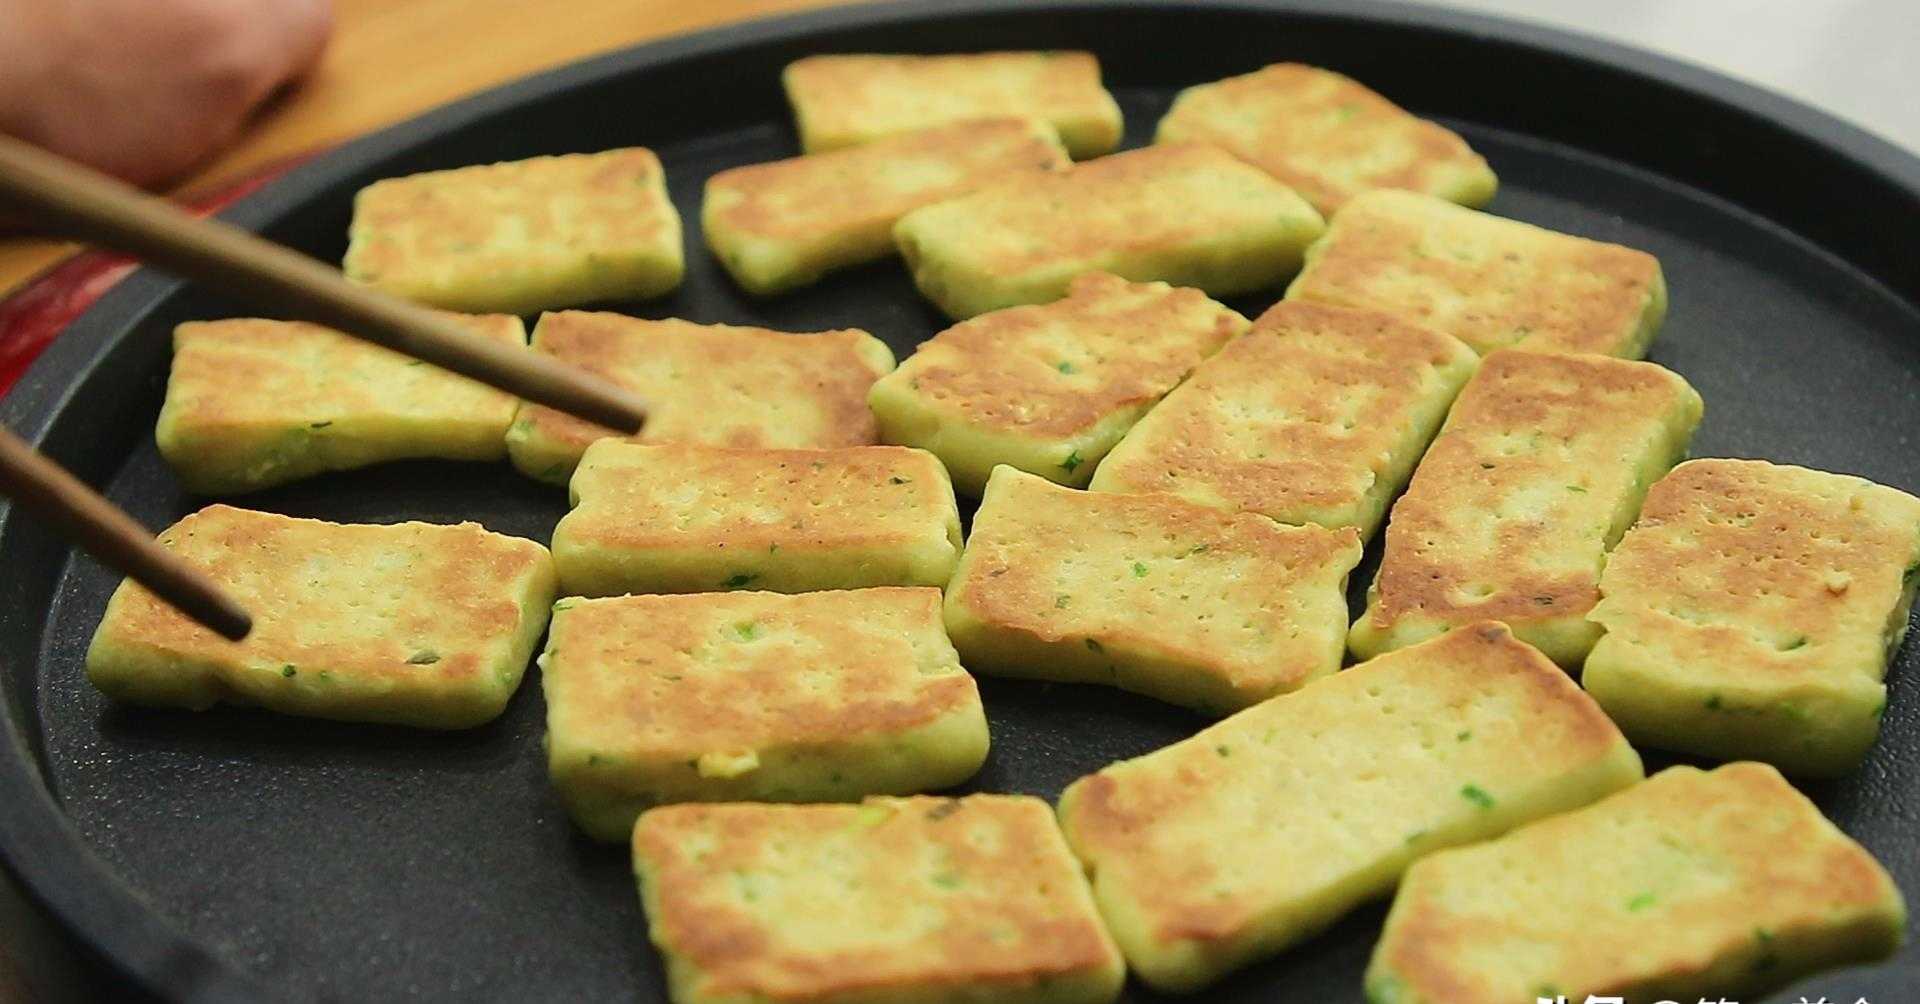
[(846, 100), (1049, 389), (523, 236), (695, 519), (1540, 467), (1316, 415), (254, 403), (1184, 214), (1268, 826), (1751, 611), (782, 225), (704, 383), (1488, 281), (1688, 885), (408, 624), (721, 697), (892, 901), (1202, 608), (1327, 136)]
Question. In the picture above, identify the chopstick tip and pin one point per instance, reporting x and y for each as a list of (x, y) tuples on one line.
[(231, 623)]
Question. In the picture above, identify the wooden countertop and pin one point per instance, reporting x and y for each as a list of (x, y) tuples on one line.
[(373, 75)]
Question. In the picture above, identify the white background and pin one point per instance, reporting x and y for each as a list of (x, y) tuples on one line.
[(1857, 59)]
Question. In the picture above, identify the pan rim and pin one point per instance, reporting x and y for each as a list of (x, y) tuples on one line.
[(46, 852)]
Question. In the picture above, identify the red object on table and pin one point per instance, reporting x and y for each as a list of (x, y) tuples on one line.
[(37, 312)]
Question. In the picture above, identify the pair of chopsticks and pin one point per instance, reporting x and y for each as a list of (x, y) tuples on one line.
[(79, 202)]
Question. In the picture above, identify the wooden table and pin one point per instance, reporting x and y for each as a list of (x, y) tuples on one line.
[(392, 59)]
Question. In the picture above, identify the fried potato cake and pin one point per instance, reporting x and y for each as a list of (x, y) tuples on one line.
[(753, 696), (1691, 884), (1540, 467), (1490, 282), (1049, 389), (1751, 611), (693, 519), (892, 901), (1185, 214), (1267, 827), (254, 403), (704, 383), (410, 623), (1327, 136), (779, 226), (846, 100), (1316, 415), (523, 236), (1207, 609)]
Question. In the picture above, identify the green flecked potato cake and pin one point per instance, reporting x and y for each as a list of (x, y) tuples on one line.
[(1316, 415), (920, 900), (1489, 281), (1185, 214), (1751, 611), (1050, 388), (718, 384), (1327, 136), (847, 100), (682, 518), (753, 696), (254, 403), (523, 236), (1540, 467), (1263, 829), (1206, 609), (782, 225), (410, 624), (1690, 884)]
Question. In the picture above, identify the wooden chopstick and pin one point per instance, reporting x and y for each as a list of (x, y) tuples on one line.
[(46, 489), (92, 207)]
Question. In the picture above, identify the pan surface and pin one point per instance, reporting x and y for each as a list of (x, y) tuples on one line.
[(239, 855)]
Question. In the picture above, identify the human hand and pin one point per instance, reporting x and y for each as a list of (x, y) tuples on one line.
[(148, 89)]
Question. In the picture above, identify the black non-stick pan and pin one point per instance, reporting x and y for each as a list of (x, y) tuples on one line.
[(240, 855)]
